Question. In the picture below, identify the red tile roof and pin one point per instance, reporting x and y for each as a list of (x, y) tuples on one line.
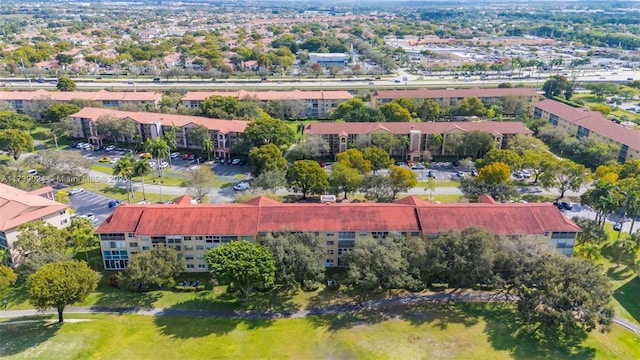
[(18, 207), (221, 125), (453, 93), (270, 95), (80, 95), (592, 120), (266, 215), (492, 127)]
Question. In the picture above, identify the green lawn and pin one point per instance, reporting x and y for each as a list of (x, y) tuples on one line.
[(460, 331)]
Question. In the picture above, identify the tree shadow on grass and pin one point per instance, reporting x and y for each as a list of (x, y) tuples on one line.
[(627, 295), (16, 294), (620, 272), (119, 298), (505, 332), (25, 333)]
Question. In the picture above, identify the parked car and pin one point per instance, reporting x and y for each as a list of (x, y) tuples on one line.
[(92, 217), (460, 174), (431, 174), (474, 172), (152, 164), (566, 205), (175, 155), (97, 148), (145, 155), (418, 167), (241, 186), (185, 156), (617, 226), (164, 165), (110, 148), (322, 164), (517, 174), (105, 160), (235, 161), (114, 160), (113, 203), (32, 172), (75, 191)]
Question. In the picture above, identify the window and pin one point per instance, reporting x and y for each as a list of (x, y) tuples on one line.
[(64, 221), (188, 257), (190, 266), (145, 248), (330, 252), (132, 235), (363, 233), (330, 233), (200, 256), (379, 234), (188, 247), (200, 247), (328, 262), (330, 243), (198, 238), (186, 238), (202, 266), (415, 233), (111, 236), (144, 238), (133, 244)]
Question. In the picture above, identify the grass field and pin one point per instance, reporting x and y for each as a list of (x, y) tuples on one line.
[(432, 331)]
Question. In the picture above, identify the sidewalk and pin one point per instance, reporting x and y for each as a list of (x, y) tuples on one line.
[(451, 295)]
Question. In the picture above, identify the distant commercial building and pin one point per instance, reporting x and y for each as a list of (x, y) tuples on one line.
[(316, 103), (328, 60), (192, 229), (224, 133), (19, 207), (584, 123), (418, 136)]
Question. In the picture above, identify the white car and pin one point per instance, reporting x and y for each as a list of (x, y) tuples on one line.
[(114, 160), (164, 165), (175, 155), (75, 191), (194, 167), (235, 161), (110, 148), (152, 164), (241, 186)]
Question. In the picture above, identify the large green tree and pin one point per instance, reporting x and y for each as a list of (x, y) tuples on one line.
[(298, 257), (555, 86), (59, 284), (509, 157), (267, 130), (7, 277), (401, 179), (476, 144), (200, 182), (561, 297), (306, 176), (378, 158), (344, 178), (267, 158), (13, 120), (565, 175), (152, 269), (242, 264), (15, 142), (197, 135), (355, 158), (57, 111), (471, 106), (394, 112), (66, 84), (39, 237), (377, 264), (82, 235)]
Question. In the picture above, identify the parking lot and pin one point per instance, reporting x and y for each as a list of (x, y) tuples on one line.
[(88, 202)]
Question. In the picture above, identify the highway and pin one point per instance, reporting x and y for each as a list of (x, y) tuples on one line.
[(401, 80)]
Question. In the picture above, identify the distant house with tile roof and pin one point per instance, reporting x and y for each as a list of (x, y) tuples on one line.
[(418, 140), (192, 229), (584, 123), (316, 103), (224, 133), (447, 96), (19, 207)]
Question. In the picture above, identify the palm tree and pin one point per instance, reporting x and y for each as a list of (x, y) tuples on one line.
[(208, 145), (142, 168), (625, 245), (170, 138), (602, 198), (125, 168), (591, 252), (631, 203), (158, 149)]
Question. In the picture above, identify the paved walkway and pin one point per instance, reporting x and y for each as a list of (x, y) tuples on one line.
[(454, 295)]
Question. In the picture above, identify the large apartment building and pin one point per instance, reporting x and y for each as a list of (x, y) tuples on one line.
[(448, 96), (224, 133), (192, 229), (417, 138), (110, 99), (19, 207), (584, 123), (316, 103)]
